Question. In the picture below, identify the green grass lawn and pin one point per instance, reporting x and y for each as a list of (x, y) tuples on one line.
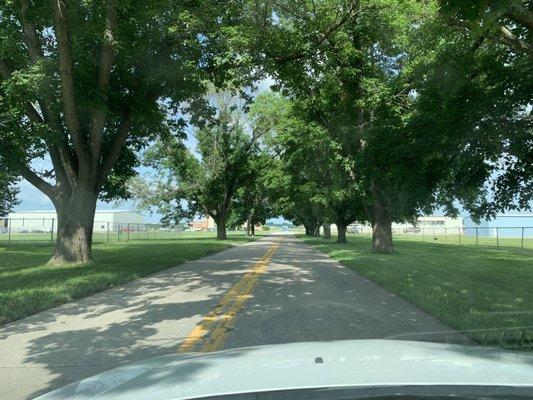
[(484, 290), (28, 285)]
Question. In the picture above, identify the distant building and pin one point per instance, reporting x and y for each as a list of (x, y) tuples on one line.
[(206, 224), (257, 227), (503, 225), (428, 223), (46, 220), (433, 221)]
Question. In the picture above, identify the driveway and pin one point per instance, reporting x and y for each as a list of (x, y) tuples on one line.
[(274, 290)]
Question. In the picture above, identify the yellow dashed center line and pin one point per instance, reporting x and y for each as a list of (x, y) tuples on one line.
[(211, 333)]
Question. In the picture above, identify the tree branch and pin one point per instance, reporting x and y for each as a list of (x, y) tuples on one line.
[(109, 160), (32, 114), (106, 64), (257, 133), (520, 15), (37, 181), (67, 82), (65, 155), (60, 157), (33, 43), (515, 42), (31, 39), (352, 11), (5, 73)]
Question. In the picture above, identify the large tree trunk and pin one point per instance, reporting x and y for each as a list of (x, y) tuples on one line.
[(221, 227), (252, 229), (382, 230), (341, 232), (308, 230), (317, 231), (75, 219), (327, 231)]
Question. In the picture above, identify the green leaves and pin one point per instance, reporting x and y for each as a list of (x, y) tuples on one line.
[(8, 190), (125, 70), (220, 173), (472, 98)]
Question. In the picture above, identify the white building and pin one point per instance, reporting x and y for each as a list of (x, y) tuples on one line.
[(429, 223), (46, 220), (432, 221)]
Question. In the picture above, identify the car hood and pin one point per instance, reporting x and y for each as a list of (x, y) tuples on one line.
[(338, 364)]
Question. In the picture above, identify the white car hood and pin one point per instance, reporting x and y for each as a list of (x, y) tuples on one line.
[(336, 364)]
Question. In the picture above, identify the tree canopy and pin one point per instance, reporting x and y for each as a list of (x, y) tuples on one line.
[(385, 109), (425, 111), (8, 191), (223, 163), (86, 85)]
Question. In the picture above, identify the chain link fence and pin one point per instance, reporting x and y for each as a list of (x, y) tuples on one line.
[(520, 237), (43, 230)]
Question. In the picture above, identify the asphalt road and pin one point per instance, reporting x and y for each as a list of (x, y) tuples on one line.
[(274, 290)]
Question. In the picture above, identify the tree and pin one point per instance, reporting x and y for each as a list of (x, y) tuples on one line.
[(313, 183), (208, 178), (315, 160), (289, 196), (252, 205), (287, 187), (423, 113), (346, 79), (478, 89), (327, 231), (86, 85), (450, 125)]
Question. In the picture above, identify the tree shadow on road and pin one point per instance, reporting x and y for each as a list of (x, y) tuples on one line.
[(141, 319)]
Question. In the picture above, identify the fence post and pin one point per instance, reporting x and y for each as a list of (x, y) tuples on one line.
[(459, 232), (497, 238), (119, 227), (128, 237), (522, 241), (107, 233), (477, 241), (52, 231), (9, 232)]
